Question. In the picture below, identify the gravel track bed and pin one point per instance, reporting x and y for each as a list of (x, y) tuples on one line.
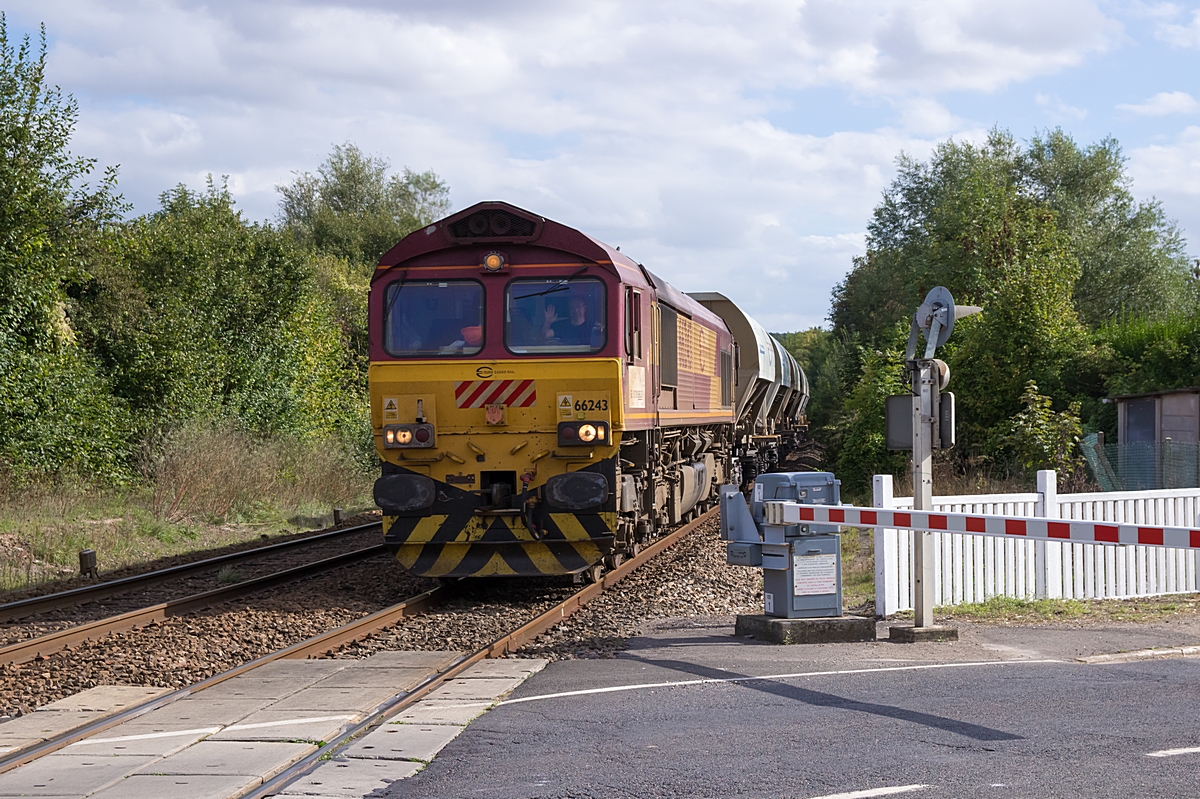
[(12, 632), (186, 649), (689, 580)]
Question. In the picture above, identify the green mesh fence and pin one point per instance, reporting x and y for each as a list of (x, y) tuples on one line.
[(1143, 467)]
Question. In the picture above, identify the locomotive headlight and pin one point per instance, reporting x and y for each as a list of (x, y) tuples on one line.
[(403, 436), (587, 432), (493, 262), (390, 436)]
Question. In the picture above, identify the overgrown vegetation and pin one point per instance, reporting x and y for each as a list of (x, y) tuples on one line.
[(1086, 292), (194, 367)]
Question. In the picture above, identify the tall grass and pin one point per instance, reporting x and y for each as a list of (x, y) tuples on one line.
[(203, 485)]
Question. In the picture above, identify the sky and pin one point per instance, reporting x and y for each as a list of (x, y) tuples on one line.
[(729, 146)]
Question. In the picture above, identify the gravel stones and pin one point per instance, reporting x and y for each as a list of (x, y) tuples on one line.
[(689, 580)]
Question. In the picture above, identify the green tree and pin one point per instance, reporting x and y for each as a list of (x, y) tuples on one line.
[(56, 411), (1130, 255), (964, 219), (206, 315), (354, 209)]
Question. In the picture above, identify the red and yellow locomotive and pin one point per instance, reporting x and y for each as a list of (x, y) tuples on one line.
[(542, 404)]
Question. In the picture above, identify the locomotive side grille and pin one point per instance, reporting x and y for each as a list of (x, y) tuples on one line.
[(493, 225)]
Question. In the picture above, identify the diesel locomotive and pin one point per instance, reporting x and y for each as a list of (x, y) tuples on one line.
[(542, 404)]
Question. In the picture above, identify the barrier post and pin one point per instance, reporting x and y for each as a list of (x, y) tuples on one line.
[(1048, 553), (925, 414), (887, 557)]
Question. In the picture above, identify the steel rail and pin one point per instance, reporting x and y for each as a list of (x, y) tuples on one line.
[(422, 603), (25, 651), (88, 593), (507, 644)]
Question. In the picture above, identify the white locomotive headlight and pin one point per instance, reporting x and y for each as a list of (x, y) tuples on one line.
[(403, 436), (390, 436), (587, 432)]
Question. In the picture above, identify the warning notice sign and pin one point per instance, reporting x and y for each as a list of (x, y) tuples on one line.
[(566, 405), (391, 409), (814, 574)]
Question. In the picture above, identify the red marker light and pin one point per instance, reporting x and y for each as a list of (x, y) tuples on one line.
[(568, 432), (422, 435)]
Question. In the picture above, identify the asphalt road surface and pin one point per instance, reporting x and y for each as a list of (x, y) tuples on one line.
[(965, 720)]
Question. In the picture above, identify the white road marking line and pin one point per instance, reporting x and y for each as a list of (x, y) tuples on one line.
[(1188, 750), (874, 792), (147, 736), (712, 680), (306, 720)]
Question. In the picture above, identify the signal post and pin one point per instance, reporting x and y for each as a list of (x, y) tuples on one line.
[(932, 426)]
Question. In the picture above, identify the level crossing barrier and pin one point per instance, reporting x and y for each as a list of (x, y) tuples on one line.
[(972, 568)]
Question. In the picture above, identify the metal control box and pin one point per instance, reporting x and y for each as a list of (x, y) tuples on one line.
[(802, 563)]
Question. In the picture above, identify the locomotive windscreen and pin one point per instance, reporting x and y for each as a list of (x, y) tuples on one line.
[(433, 318), (555, 316)]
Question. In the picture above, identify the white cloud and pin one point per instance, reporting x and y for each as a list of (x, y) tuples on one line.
[(1186, 35), (1171, 172), (648, 124), (1057, 110), (1164, 103)]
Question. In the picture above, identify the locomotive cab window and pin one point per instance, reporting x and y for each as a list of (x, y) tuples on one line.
[(555, 316), (433, 318)]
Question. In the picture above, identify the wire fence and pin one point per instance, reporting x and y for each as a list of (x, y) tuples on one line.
[(1143, 466)]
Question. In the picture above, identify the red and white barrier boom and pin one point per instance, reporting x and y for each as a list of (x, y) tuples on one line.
[(1077, 532)]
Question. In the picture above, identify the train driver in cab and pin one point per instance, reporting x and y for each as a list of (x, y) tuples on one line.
[(580, 327)]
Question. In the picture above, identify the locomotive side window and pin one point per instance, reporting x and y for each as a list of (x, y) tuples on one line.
[(668, 347), (433, 318), (555, 316), (633, 324)]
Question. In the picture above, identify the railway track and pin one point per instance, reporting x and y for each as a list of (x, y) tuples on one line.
[(44, 645), (330, 642), (23, 608)]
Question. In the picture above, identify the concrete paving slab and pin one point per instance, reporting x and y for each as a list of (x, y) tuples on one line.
[(67, 775), (9, 745), (275, 680), (480, 688), (200, 712), (336, 699), (505, 667), (40, 726), (105, 699), (153, 786), (300, 669), (136, 739), (262, 759), (379, 677), (351, 779), (430, 659), (429, 711), (403, 742), (280, 725)]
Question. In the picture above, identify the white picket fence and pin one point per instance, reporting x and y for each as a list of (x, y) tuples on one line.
[(971, 568)]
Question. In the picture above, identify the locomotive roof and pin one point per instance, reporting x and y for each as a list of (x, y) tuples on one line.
[(499, 223)]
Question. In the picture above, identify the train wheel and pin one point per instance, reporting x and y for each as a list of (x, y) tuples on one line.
[(594, 573), (615, 560)]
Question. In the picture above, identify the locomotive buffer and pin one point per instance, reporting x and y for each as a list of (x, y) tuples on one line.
[(802, 563)]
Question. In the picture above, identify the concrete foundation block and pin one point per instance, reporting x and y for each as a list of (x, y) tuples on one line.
[(830, 630), (907, 634)]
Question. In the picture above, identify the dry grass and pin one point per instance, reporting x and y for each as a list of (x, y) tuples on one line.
[(203, 487), (1075, 612)]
